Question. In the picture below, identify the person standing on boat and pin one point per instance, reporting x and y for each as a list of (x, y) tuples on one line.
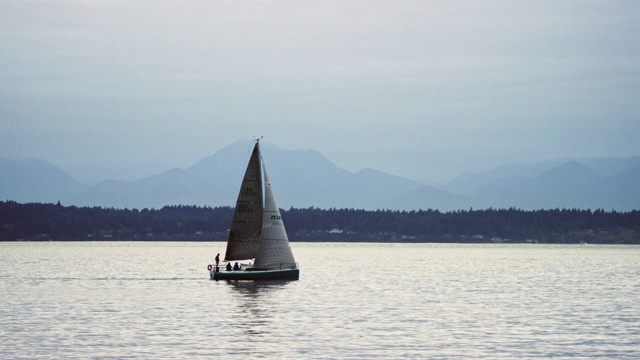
[(217, 260)]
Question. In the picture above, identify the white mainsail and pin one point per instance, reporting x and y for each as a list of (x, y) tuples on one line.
[(244, 234), (274, 252)]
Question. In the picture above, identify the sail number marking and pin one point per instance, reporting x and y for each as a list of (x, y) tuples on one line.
[(244, 208), (248, 191), (276, 220)]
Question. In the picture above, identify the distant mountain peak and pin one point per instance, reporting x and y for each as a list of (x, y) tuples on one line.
[(571, 170), (304, 178), (35, 180)]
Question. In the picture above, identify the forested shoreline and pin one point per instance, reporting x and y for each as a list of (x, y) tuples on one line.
[(45, 222)]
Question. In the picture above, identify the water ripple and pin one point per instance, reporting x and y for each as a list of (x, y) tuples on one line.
[(145, 300)]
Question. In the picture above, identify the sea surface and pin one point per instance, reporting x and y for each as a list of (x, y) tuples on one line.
[(154, 300)]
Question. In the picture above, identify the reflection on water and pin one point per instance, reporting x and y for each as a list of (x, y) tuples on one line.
[(150, 300), (255, 288), (253, 303)]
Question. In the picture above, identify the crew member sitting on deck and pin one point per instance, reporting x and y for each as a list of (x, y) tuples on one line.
[(228, 266), (236, 267)]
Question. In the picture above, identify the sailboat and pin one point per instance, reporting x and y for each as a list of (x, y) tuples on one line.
[(257, 231)]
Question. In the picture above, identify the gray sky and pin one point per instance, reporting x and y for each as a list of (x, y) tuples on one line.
[(423, 89)]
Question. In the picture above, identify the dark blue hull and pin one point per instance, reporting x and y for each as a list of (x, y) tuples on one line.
[(286, 274)]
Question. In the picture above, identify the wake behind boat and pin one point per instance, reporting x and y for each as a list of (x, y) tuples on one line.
[(257, 231)]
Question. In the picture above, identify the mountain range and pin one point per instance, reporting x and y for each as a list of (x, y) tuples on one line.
[(305, 178)]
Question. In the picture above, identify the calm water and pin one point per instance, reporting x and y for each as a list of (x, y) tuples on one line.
[(155, 300)]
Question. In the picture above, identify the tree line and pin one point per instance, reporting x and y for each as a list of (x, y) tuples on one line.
[(37, 221)]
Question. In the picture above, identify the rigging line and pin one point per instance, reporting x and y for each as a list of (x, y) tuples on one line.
[(256, 139)]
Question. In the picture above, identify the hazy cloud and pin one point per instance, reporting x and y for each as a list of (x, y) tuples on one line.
[(418, 88)]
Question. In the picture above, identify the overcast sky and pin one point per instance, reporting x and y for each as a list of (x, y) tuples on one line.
[(422, 89)]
